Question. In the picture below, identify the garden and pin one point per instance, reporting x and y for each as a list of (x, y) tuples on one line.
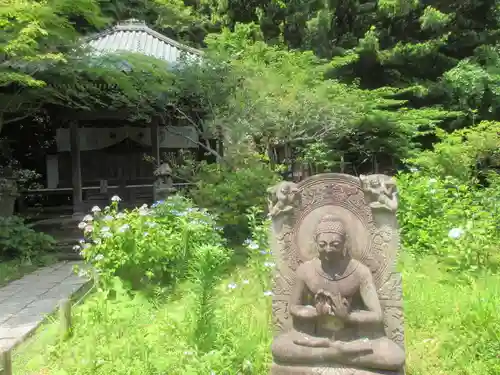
[(174, 295), (183, 286)]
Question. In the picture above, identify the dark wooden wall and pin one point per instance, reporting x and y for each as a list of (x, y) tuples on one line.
[(126, 161)]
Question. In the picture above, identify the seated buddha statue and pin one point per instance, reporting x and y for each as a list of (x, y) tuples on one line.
[(336, 312)]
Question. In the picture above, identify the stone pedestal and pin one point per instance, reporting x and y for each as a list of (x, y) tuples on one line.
[(300, 370)]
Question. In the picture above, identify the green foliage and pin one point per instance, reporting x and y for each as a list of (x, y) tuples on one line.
[(39, 33), (464, 153), (230, 190), (319, 154), (450, 219), (205, 273), (467, 83), (450, 327), (434, 19), (116, 82), (438, 60), (147, 246), (397, 7), (283, 98), (20, 241), (409, 77), (212, 323)]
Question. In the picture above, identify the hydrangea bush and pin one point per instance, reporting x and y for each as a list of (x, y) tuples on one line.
[(458, 222), (148, 245)]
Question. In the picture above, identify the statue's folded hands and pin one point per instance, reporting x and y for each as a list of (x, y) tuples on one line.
[(304, 312)]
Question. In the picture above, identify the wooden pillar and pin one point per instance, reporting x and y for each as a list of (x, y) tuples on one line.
[(76, 168), (65, 318), (7, 363), (155, 149), (122, 185)]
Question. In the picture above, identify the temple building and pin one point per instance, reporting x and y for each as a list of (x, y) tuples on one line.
[(100, 154)]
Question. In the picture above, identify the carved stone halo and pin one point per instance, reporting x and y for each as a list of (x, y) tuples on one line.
[(358, 235)]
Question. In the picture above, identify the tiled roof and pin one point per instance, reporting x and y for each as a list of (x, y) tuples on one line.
[(135, 36)]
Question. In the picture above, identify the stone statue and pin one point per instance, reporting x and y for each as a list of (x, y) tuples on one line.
[(382, 191), (281, 198), (337, 303), (163, 185)]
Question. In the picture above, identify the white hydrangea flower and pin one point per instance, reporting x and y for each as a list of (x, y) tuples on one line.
[(455, 233), (124, 227), (88, 218)]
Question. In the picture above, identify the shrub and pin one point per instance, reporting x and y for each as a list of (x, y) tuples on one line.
[(463, 153), (458, 222), (231, 191), (147, 246), (212, 323), (19, 240)]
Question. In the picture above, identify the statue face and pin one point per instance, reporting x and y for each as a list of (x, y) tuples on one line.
[(330, 245)]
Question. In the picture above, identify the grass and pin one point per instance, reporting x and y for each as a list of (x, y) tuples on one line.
[(450, 329), (14, 269), (137, 336)]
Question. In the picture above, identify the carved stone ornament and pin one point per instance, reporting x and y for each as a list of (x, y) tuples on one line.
[(381, 191), (281, 199), (337, 305)]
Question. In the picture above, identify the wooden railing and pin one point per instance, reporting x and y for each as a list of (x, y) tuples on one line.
[(104, 191), (96, 188)]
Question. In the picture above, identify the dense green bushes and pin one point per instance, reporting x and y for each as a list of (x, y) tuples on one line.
[(213, 322), (458, 222), (145, 247), (463, 154), (450, 204), (231, 190), (17, 240)]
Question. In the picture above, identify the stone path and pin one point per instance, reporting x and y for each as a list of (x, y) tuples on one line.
[(26, 302)]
